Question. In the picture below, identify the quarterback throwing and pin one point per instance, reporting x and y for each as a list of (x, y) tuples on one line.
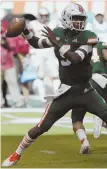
[(73, 48)]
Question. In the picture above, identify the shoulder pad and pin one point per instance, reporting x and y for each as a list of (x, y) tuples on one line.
[(58, 31)]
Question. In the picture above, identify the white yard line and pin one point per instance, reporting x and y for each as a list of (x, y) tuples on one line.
[(10, 116), (64, 122), (48, 152), (61, 125), (22, 110)]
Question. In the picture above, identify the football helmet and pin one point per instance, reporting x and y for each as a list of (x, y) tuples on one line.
[(74, 17), (43, 15)]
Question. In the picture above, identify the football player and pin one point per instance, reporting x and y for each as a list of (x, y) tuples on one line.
[(99, 82), (73, 48), (48, 66)]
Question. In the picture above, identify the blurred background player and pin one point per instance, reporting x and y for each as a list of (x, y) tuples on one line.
[(46, 61), (99, 79), (99, 26), (99, 83)]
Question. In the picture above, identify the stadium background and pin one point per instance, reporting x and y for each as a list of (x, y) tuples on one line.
[(15, 122)]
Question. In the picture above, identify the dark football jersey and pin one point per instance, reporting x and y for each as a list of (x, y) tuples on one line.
[(71, 73), (98, 62)]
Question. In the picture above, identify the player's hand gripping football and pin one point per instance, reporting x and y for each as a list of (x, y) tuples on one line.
[(50, 35)]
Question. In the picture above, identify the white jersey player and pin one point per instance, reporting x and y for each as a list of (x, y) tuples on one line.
[(48, 65)]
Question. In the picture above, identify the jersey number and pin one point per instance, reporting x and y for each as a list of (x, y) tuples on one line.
[(65, 63)]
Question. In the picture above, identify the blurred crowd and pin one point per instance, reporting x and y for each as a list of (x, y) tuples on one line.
[(26, 71)]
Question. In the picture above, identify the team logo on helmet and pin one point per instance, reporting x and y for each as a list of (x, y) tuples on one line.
[(80, 8)]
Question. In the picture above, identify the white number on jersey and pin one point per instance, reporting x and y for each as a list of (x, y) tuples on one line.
[(65, 63)]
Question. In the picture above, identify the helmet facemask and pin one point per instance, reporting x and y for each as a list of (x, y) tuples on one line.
[(74, 22), (78, 23)]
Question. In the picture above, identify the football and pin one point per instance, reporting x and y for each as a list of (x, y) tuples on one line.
[(15, 27)]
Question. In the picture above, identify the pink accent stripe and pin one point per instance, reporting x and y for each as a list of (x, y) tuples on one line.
[(45, 114)]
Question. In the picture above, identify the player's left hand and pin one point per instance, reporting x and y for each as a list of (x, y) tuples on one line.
[(50, 35)]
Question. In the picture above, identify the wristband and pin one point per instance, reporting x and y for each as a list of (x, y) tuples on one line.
[(40, 43), (48, 42), (29, 36)]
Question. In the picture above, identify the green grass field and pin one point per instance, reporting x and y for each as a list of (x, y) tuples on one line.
[(59, 148)]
